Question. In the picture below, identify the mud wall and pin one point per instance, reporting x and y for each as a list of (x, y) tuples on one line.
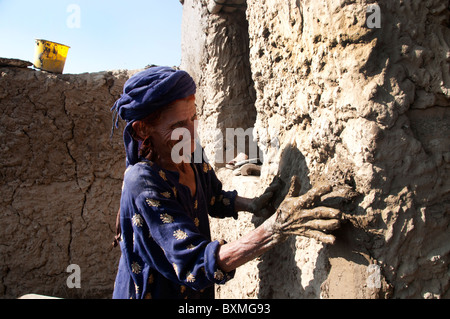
[(61, 178), (343, 102), (349, 104), (215, 52)]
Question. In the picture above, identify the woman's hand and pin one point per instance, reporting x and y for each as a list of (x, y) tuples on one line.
[(295, 216), (262, 206), (308, 215), (301, 216)]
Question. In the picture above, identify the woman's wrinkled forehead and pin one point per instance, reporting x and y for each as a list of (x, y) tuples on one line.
[(179, 111)]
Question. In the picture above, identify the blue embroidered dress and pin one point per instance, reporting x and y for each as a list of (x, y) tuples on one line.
[(166, 244)]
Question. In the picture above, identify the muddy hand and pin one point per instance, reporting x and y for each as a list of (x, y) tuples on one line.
[(262, 206), (294, 187), (299, 216), (342, 197)]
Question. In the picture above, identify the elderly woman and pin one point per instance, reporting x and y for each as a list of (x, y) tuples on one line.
[(167, 251)]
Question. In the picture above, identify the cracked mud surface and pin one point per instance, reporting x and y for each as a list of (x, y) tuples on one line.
[(61, 179)]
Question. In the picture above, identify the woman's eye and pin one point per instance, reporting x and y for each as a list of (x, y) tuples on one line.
[(177, 125)]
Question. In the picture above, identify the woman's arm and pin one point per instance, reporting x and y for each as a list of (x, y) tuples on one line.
[(262, 205), (242, 204), (232, 255)]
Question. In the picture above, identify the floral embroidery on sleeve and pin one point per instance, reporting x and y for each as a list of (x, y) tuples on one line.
[(190, 277), (163, 175), (174, 191), (196, 222), (179, 234), (166, 194), (137, 220), (153, 202), (166, 218), (136, 268)]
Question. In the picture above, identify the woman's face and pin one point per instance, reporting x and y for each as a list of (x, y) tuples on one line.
[(181, 115)]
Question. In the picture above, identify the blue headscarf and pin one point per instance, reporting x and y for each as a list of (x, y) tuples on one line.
[(143, 94)]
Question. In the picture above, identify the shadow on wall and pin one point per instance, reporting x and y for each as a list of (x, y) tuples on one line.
[(279, 271), (281, 278), (304, 268)]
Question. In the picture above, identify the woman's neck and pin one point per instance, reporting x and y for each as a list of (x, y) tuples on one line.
[(187, 175), (168, 164)]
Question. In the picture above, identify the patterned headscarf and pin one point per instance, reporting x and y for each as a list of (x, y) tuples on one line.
[(143, 94)]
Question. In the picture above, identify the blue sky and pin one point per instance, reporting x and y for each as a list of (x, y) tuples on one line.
[(102, 34)]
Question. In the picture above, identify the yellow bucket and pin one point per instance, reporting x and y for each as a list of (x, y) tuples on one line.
[(50, 56)]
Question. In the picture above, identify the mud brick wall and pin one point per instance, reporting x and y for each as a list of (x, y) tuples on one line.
[(61, 179)]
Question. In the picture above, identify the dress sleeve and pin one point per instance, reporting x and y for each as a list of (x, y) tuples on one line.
[(188, 257), (221, 203)]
